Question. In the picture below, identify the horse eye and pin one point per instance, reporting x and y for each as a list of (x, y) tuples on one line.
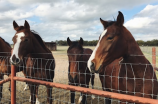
[(110, 38), (26, 40)]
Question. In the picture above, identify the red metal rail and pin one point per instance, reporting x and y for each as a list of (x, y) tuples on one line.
[(5, 80), (121, 97)]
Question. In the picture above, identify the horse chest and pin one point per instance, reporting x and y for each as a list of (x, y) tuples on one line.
[(3, 67)]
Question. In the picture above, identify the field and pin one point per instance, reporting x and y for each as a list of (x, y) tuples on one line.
[(61, 96)]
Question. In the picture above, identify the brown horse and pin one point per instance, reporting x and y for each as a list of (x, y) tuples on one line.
[(5, 69), (136, 74), (109, 83), (36, 59), (79, 74)]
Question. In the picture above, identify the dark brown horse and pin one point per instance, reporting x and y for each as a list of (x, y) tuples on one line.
[(136, 74), (79, 74), (30, 52), (5, 69)]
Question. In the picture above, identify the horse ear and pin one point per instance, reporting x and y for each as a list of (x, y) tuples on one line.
[(15, 25), (69, 41), (81, 41), (26, 25), (120, 19), (104, 23)]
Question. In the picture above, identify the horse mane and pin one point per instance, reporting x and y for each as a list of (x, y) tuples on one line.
[(5, 42), (37, 36)]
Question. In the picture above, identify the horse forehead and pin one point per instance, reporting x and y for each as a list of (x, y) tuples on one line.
[(74, 50), (103, 34), (19, 35)]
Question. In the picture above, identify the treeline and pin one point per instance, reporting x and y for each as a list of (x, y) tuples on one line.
[(85, 43), (94, 43), (153, 42)]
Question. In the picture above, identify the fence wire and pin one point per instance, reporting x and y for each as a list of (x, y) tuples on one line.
[(59, 96), (61, 75)]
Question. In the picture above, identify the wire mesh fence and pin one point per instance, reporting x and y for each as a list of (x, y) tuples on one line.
[(59, 96), (61, 75)]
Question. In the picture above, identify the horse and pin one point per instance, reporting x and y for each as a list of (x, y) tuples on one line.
[(109, 83), (136, 74), (5, 68), (78, 72), (30, 52)]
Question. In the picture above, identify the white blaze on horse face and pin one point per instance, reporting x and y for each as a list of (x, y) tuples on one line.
[(17, 44), (94, 51)]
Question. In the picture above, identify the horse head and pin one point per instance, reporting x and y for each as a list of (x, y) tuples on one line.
[(111, 45), (75, 56), (22, 43)]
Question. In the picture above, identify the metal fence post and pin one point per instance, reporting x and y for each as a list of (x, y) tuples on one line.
[(13, 85), (154, 57)]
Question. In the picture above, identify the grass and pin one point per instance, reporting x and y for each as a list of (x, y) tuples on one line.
[(147, 51), (62, 53)]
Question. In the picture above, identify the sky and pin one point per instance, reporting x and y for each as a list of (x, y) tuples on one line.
[(59, 19)]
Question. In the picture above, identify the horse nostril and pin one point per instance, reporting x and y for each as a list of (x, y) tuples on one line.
[(92, 66), (75, 79), (17, 60), (70, 78)]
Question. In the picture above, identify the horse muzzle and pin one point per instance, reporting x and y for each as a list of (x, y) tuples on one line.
[(93, 70), (15, 61), (73, 79)]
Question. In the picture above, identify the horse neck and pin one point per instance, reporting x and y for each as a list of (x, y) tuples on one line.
[(135, 61), (38, 50), (134, 53), (4, 48)]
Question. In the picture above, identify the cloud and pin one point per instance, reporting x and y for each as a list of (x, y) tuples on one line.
[(59, 19), (138, 22), (144, 24)]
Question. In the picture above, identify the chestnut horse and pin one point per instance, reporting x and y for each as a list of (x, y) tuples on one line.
[(136, 74), (109, 83), (30, 52), (78, 72), (5, 69)]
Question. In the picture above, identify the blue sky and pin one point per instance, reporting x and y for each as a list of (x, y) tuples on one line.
[(130, 13), (59, 19)]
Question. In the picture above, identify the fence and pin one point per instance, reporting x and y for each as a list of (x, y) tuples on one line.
[(62, 85)]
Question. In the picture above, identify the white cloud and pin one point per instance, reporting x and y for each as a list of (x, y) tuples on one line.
[(144, 24), (59, 19), (138, 22), (73, 35)]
